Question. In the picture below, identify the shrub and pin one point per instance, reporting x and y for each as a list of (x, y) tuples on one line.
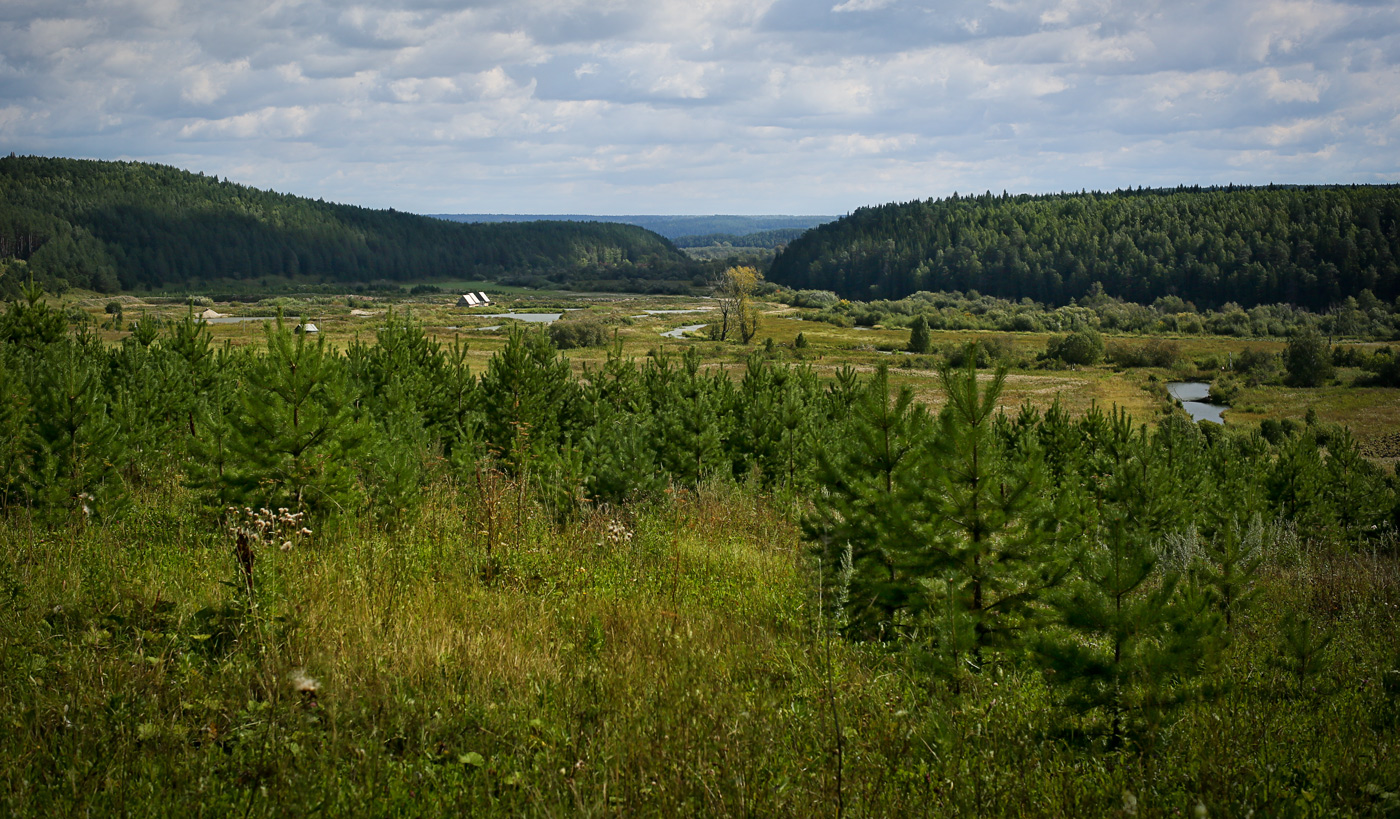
[(1258, 366), (1384, 367), (1155, 353), (1224, 390), (813, 298), (1079, 347), (1308, 361), (584, 332)]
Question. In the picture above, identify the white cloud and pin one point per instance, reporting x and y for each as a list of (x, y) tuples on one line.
[(861, 5), (708, 105)]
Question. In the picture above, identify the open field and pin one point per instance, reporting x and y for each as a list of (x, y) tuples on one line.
[(1372, 413)]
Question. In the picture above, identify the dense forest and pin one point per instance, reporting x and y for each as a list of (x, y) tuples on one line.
[(1309, 246), (126, 225), (672, 227), (762, 238)]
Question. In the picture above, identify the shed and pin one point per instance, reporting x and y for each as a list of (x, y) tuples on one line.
[(307, 328), (468, 300), (483, 298)]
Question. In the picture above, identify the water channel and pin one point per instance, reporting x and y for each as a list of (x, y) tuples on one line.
[(1195, 399), (680, 332)]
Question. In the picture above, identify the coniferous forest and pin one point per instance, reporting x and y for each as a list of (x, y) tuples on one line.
[(1308, 246), (299, 577), (110, 226)]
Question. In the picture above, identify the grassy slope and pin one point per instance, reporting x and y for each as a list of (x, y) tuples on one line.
[(657, 661)]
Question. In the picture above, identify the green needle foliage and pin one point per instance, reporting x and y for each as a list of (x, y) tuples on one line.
[(75, 445), (295, 436), (996, 543), (1302, 645), (687, 409), (1230, 566), (1132, 638), (870, 518), (920, 342)]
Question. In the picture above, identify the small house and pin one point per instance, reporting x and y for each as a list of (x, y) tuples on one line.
[(482, 297), (468, 300), (307, 328)]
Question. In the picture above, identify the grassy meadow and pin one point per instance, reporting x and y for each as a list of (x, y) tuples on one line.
[(484, 655), (483, 658)]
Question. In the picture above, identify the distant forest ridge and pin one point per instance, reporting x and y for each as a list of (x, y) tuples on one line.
[(1313, 246), (672, 227), (763, 238), (132, 225)]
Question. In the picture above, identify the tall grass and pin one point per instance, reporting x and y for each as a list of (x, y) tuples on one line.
[(667, 659)]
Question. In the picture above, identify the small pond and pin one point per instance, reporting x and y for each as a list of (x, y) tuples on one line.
[(681, 331), (1195, 399)]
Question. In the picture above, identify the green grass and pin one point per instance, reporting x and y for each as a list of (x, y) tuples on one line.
[(485, 658)]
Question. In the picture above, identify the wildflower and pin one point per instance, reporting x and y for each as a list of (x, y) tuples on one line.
[(286, 545), (305, 685)]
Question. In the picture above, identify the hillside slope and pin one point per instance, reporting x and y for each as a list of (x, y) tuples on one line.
[(128, 225), (1310, 246)]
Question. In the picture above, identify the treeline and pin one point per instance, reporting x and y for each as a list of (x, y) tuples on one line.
[(1364, 317), (127, 225), (764, 238), (1309, 246)]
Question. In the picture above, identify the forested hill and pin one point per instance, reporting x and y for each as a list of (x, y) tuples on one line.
[(110, 225), (1311, 246)]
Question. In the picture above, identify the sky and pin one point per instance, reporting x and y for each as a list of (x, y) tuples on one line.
[(707, 106)]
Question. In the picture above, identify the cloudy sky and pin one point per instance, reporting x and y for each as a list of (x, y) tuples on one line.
[(707, 106)]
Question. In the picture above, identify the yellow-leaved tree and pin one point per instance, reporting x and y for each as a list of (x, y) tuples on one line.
[(735, 289)]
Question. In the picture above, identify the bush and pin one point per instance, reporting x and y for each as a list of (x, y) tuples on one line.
[(869, 318), (1079, 347), (585, 332), (813, 298), (1224, 390), (1308, 361), (1384, 367), (1258, 366), (1155, 353)]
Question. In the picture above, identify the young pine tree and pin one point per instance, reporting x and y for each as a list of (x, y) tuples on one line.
[(1230, 564), (996, 544), (529, 401), (1130, 637), (920, 341), (686, 409), (870, 513), (75, 445), (294, 437)]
